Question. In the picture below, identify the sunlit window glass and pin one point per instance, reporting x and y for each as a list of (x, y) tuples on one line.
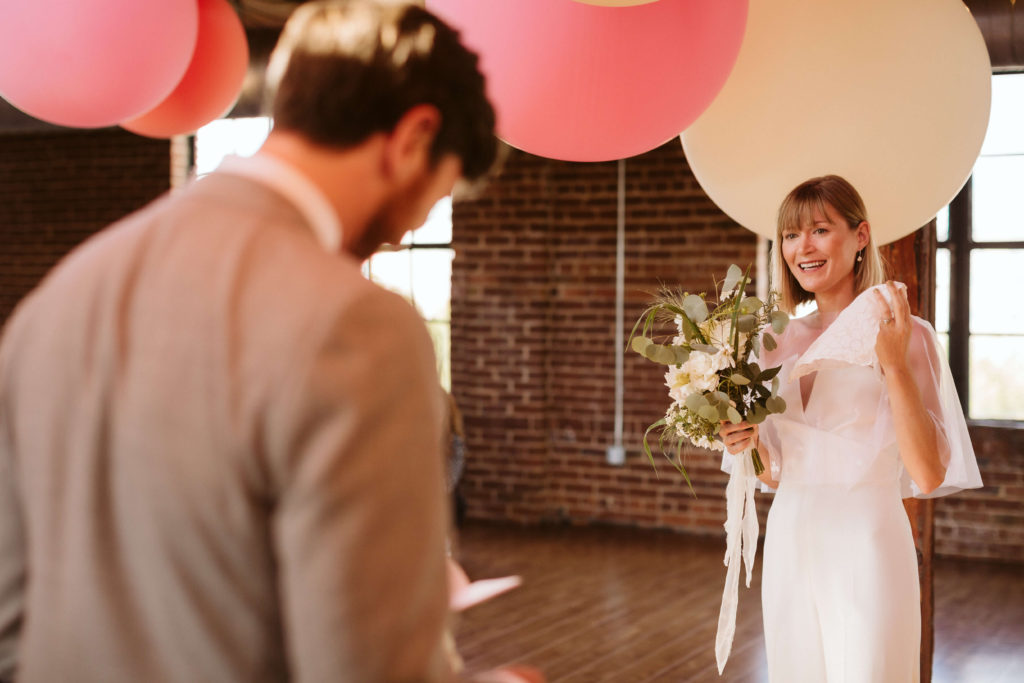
[(981, 252), (226, 137), (420, 269)]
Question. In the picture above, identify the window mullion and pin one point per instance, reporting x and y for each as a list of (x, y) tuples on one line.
[(960, 210)]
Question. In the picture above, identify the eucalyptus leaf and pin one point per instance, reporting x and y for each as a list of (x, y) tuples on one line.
[(737, 378), (775, 404), (734, 415), (757, 415), (769, 342), (775, 385), (640, 344), (746, 323), (709, 413), (706, 348), (755, 344), (732, 277), (696, 309), (768, 374), (750, 304), (694, 402), (661, 354), (779, 321), (723, 411), (721, 396), (690, 330), (681, 354), (687, 329)]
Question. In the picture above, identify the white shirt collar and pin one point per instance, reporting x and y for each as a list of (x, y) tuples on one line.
[(296, 187)]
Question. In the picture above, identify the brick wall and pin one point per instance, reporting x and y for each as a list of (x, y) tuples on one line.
[(987, 522), (533, 338), (533, 355), (57, 188), (533, 326)]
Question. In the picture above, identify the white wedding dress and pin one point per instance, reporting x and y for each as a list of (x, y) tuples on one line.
[(840, 588)]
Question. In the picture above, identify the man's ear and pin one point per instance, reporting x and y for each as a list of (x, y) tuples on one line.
[(407, 150)]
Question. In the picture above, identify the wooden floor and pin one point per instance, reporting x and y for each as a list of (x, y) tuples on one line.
[(610, 604)]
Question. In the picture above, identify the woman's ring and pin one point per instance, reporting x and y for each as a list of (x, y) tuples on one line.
[(886, 321)]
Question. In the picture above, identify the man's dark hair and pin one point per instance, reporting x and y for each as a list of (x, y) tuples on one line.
[(346, 69)]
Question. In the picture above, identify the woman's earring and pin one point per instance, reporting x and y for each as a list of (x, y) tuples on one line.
[(860, 256)]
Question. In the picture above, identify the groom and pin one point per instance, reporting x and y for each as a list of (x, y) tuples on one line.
[(219, 444)]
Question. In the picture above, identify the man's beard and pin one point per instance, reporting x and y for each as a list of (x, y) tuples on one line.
[(377, 232), (391, 220)]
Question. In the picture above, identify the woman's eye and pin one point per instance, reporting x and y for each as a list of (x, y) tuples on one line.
[(789, 236), (820, 231)]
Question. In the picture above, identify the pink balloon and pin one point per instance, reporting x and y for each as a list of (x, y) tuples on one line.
[(213, 79), (580, 82), (92, 63)]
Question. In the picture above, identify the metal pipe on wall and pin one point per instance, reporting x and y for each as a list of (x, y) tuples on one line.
[(616, 453)]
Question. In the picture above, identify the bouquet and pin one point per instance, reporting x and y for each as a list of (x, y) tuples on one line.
[(711, 374), (712, 377)]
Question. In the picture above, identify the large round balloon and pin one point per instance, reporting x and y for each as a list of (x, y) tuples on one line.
[(92, 63), (579, 82), (213, 79), (893, 95), (616, 3)]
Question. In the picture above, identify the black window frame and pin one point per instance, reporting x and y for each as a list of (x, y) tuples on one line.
[(961, 244)]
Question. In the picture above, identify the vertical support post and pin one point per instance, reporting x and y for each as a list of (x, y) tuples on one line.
[(912, 261)]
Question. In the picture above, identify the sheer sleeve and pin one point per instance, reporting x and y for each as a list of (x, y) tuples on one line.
[(770, 450), (933, 378)]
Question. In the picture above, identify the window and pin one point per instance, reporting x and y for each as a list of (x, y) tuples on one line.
[(420, 268), (225, 137), (979, 259)]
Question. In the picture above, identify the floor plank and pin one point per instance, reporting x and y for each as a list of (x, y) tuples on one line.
[(622, 605)]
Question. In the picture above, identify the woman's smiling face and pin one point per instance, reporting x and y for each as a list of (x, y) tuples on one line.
[(821, 251)]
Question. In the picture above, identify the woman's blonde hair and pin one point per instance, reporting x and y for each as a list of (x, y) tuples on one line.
[(796, 209)]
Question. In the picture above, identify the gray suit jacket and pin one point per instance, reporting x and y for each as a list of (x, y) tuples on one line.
[(219, 459)]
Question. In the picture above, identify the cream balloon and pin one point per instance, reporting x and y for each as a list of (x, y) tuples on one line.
[(616, 3), (893, 95)]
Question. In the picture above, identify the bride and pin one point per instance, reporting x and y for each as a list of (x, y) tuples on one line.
[(872, 417)]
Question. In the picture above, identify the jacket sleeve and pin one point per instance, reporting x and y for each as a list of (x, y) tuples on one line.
[(360, 521), (12, 545)]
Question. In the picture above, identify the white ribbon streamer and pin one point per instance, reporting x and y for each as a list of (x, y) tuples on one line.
[(741, 530)]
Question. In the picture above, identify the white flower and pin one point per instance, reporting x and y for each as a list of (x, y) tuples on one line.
[(678, 383), (710, 444), (718, 332), (723, 358), (700, 364)]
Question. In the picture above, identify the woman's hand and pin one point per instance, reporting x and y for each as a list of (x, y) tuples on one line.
[(738, 437), (894, 331), (741, 436)]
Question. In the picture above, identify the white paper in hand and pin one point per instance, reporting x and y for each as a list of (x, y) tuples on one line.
[(465, 593)]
